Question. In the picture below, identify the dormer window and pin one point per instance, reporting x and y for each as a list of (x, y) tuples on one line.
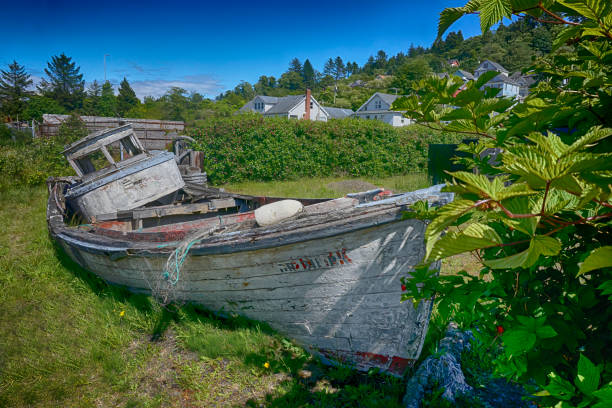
[(259, 105)]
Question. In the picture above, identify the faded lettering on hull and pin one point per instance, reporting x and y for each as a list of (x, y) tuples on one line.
[(332, 259)]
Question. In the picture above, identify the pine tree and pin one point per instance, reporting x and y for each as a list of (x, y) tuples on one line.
[(308, 74), (95, 89), (108, 101), (91, 103), (64, 83), (295, 66), (381, 59), (14, 90), (339, 68), (126, 99), (329, 67)]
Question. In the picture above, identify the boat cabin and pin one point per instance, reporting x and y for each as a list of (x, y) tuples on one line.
[(104, 149), (117, 173)]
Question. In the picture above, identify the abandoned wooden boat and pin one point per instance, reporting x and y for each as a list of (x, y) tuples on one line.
[(326, 274)]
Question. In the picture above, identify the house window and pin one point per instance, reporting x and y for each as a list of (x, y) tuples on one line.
[(293, 117), (378, 105), (311, 105)]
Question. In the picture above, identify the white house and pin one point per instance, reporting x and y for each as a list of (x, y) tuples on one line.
[(509, 87), (378, 108), (291, 107)]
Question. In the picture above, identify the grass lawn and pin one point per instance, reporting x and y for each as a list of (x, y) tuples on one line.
[(329, 187), (69, 339)]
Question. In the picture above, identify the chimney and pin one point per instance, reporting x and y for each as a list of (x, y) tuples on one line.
[(307, 114)]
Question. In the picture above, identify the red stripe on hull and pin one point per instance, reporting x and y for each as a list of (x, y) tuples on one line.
[(363, 361)]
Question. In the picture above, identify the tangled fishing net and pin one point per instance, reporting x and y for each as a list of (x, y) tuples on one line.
[(168, 285)]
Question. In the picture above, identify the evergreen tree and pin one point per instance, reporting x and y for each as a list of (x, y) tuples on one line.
[(126, 99), (295, 66), (14, 92), (308, 74), (95, 89), (381, 60), (108, 101), (64, 83), (329, 67), (339, 68), (91, 103)]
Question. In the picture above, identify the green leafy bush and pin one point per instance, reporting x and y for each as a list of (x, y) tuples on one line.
[(540, 218), (250, 147), (31, 161)]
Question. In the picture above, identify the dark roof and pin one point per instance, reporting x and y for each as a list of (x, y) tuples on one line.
[(388, 98), (284, 104), (523, 80), (503, 78), (338, 113), (464, 74), (496, 67), (442, 75), (268, 99)]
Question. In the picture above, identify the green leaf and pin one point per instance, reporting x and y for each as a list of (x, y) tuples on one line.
[(604, 393), (447, 17), (545, 332), (539, 245), (587, 379), (484, 78), (493, 11), (518, 341), (593, 9), (560, 388), (599, 258)]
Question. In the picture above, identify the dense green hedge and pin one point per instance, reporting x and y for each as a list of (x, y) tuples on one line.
[(250, 147)]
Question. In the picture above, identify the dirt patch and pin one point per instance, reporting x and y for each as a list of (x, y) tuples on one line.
[(351, 186)]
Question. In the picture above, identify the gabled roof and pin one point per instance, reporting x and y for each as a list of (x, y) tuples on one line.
[(387, 98), (496, 67), (338, 113), (504, 79), (464, 74), (523, 80), (285, 104)]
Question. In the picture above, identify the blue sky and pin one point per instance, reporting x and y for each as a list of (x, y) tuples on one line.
[(209, 47)]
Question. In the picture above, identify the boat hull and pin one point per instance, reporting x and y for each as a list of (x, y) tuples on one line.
[(338, 296)]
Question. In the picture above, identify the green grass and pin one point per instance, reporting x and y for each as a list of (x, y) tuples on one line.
[(69, 339), (329, 187)]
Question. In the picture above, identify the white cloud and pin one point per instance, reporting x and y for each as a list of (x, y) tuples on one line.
[(203, 84)]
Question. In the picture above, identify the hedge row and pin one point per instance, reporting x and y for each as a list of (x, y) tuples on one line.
[(250, 147)]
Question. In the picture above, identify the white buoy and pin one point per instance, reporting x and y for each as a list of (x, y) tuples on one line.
[(274, 213)]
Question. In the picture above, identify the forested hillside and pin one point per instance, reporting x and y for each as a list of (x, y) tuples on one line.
[(348, 85)]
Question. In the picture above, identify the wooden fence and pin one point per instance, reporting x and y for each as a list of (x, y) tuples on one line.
[(154, 134)]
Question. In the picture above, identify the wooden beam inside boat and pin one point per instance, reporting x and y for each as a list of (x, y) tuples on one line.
[(167, 210)]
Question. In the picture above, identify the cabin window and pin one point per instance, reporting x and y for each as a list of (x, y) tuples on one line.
[(129, 148), (378, 105), (92, 162)]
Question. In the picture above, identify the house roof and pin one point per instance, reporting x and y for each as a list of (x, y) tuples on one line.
[(268, 99), (464, 74), (504, 79), (285, 104), (387, 98), (523, 80), (496, 67), (338, 113)]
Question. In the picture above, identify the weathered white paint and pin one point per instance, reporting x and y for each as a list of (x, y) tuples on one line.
[(316, 113), (130, 191)]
